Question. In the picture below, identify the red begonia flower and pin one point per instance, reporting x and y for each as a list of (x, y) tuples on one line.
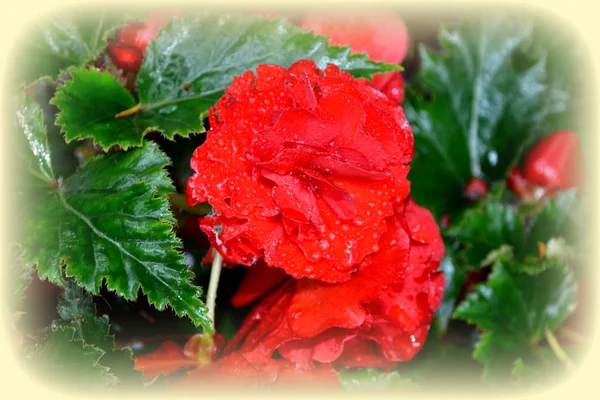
[(383, 38), (304, 168), (379, 317)]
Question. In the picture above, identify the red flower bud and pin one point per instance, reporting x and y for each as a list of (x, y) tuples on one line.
[(475, 189), (554, 163), (125, 56), (131, 40)]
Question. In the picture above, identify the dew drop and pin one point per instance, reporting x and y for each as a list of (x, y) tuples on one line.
[(493, 158)]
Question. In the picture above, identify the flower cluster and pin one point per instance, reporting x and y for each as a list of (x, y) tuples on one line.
[(307, 173)]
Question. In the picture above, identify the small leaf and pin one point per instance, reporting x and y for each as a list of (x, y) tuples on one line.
[(111, 221), (186, 70), (514, 310), (560, 216), (66, 360), (77, 309), (473, 108), (486, 228), (89, 102), (58, 42)]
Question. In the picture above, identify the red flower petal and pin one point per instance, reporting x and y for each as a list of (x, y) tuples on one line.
[(167, 359), (341, 305), (258, 281)]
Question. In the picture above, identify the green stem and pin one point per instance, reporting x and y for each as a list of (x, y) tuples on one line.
[(179, 200), (558, 350), (211, 296)]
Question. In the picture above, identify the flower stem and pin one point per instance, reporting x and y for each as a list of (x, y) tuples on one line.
[(558, 350), (211, 296)]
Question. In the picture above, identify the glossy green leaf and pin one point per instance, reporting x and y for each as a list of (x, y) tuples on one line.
[(89, 102), (514, 310), (186, 70), (111, 222), (57, 42), (473, 108)]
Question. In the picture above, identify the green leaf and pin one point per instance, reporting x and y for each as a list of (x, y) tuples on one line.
[(57, 42), (560, 216), (30, 121), (111, 221), (186, 70), (473, 108), (89, 102), (66, 360), (486, 228), (514, 310), (76, 306)]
